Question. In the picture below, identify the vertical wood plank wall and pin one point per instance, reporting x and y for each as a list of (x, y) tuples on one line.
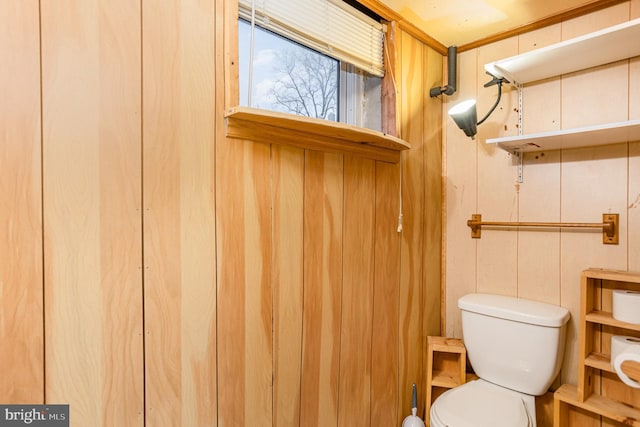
[(91, 197), (567, 185), (21, 303), (288, 273), (178, 98), (156, 273)]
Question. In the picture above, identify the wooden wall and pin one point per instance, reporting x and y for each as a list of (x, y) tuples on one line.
[(90, 82), (21, 269), (156, 273), (567, 185)]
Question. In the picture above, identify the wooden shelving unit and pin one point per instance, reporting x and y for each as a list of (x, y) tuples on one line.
[(598, 48), (446, 368), (272, 127), (597, 325)]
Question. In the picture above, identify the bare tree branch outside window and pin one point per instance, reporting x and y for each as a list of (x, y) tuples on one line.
[(308, 86)]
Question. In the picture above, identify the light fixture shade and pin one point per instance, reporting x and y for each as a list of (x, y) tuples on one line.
[(465, 116)]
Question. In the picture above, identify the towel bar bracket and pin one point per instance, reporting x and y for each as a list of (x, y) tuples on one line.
[(609, 226), (610, 235)]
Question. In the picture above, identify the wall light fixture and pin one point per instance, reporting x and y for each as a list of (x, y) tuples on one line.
[(464, 113)]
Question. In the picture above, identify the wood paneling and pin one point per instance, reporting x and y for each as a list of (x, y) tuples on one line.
[(323, 200), (603, 171), (604, 18), (189, 278), (580, 89), (412, 244), (386, 328), (21, 303), (179, 212), (354, 392), (541, 99), (634, 206), (539, 193), (461, 198), (288, 284), (634, 89), (244, 283), (497, 188), (92, 228), (433, 190), (539, 200)]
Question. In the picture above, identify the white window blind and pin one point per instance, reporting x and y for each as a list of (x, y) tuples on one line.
[(328, 26)]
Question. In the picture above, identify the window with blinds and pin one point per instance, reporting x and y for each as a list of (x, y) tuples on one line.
[(331, 27), (315, 58)]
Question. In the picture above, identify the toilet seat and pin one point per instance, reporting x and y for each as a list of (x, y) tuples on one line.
[(480, 403)]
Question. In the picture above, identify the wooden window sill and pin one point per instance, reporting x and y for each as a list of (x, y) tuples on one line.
[(273, 127)]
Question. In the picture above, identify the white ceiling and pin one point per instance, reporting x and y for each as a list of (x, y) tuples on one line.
[(458, 22)]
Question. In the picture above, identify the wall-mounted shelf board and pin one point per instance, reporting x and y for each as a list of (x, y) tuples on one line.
[(597, 48), (273, 127), (605, 318), (610, 133)]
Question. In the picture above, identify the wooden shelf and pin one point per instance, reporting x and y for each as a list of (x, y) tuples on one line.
[(273, 127), (446, 368), (445, 379), (597, 48), (603, 362), (596, 290), (568, 395), (606, 318), (597, 286), (610, 133), (599, 361), (613, 275)]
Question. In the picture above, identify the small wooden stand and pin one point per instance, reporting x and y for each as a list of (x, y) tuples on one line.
[(446, 368)]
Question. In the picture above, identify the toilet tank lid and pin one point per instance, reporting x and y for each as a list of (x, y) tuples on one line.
[(516, 309)]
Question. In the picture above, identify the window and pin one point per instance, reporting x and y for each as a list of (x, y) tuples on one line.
[(287, 76), (294, 73)]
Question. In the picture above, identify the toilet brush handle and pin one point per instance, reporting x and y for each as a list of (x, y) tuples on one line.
[(414, 397)]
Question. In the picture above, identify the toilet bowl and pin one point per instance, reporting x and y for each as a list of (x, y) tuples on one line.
[(515, 346), (482, 404)]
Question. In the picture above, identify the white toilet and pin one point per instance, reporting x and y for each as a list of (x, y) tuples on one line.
[(515, 346)]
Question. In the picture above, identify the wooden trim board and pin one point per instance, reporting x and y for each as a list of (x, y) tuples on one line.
[(315, 134)]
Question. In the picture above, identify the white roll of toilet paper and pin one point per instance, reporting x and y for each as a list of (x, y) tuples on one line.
[(623, 349), (626, 306)]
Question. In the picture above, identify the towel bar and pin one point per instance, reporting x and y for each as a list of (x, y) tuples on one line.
[(609, 226)]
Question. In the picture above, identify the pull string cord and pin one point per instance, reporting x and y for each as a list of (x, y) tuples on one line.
[(399, 229), (395, 90), (251, 44)]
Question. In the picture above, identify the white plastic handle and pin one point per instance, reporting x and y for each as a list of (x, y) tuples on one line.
[(617, 366)]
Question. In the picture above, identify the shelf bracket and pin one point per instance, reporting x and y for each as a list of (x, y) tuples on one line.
[(520, 169), (520, 155)]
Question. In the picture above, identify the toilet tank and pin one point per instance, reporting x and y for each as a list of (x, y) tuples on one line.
[(514, 342)]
